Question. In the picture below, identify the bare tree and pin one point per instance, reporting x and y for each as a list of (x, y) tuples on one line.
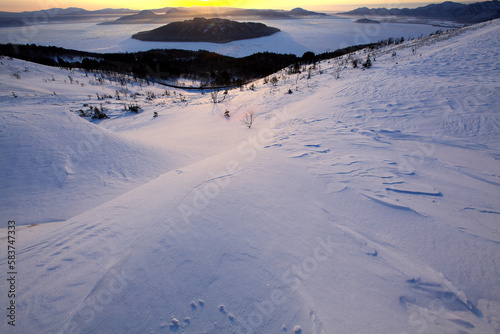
[(215, 96), (336, 72), (248, 119)]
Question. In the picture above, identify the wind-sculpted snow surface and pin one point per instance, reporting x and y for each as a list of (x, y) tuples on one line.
[(360, 201)]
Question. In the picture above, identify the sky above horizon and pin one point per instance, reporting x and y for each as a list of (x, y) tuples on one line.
[(33, 5)]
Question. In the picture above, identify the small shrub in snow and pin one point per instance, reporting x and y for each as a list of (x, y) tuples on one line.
[(134, 108), (99, 113), (103, 97), (336, 72), (368, 62), (182, 98)]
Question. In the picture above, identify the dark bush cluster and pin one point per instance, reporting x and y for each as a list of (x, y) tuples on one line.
[(93, 112)]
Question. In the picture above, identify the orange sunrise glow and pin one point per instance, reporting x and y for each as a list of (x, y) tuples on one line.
[(32, 5)]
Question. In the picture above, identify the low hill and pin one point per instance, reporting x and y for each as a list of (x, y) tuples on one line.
[(206, 30), (302, 12), (143, 15), (365, 20)]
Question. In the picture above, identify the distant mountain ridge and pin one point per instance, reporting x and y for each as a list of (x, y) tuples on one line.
[(161, 15), (12, 19), (149, 16), (206, 30), (452, 11), (53, 12)]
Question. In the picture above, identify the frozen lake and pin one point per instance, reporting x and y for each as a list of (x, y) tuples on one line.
[(296, 36)]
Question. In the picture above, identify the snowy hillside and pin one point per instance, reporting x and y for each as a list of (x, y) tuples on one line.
[(362, 200)]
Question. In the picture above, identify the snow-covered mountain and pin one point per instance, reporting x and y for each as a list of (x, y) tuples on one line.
[(453, 11), (362, 200)]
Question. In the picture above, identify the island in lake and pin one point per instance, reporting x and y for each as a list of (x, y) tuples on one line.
[(367, 21), (206, 30)]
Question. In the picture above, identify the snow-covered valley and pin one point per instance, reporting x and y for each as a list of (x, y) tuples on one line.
[(362, 200)]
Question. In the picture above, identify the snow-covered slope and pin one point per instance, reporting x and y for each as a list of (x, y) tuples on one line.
[(363, 204), (55, 164)]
